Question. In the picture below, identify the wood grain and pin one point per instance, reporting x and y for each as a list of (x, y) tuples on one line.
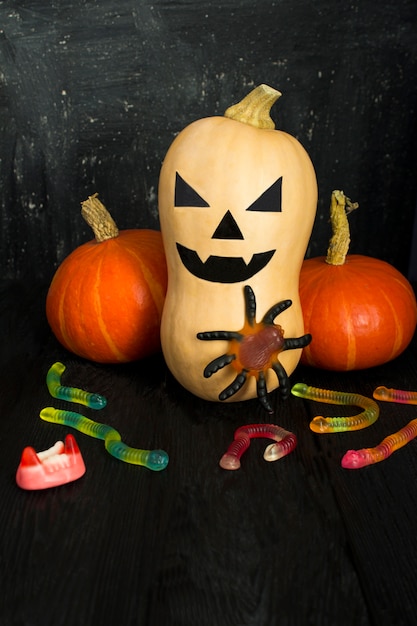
[(300, 541)]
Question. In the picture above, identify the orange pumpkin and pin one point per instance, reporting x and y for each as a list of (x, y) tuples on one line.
[(360, 311), (106, 298)]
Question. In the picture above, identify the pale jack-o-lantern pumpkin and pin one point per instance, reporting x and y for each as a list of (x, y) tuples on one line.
[(237, 202)]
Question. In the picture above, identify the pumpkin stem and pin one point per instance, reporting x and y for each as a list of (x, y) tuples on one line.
[(254, 109), (97, 216), (340, 207)]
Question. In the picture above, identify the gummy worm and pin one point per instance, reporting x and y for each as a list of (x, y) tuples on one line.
[(285, 443), (322, 424), (395, 395), (155, 460), (71, 394), (355, 459)]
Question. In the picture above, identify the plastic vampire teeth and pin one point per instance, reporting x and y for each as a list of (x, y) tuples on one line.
[(322, 424), (155, 460), (285, 443), (61, 464), (71, 394)]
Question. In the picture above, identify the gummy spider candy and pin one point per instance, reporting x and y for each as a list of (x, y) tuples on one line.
[(254, 350)]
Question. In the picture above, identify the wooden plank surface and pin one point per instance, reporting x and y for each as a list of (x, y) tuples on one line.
[(296, 542)]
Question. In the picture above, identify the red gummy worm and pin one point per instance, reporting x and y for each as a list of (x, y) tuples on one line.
[(285, 443), (355, 459)]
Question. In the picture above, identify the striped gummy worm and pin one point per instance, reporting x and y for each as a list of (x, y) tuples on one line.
[(155, 460), (71, 394), (395, 395), (321, 424), (285, 443), (355, 459), (231, 458)]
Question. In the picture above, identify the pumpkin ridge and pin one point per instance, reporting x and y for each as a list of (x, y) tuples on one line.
[(399, 335), (307, 352), (355, 273), (68, 299), (97, 307), (83, 295), (351, 349), (153, 284), (321, 278), (61, 325)]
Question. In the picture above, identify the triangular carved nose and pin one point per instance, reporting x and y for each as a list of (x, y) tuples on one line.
[(228, 228)]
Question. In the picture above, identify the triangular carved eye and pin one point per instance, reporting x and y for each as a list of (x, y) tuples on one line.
[(185, 195), (270, 200)]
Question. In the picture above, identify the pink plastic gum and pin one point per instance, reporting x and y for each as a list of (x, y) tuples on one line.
[(355, 459), (395, 395), (63, 463), (285, 443)]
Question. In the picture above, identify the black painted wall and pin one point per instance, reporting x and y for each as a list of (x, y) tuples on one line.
[(93, 92)]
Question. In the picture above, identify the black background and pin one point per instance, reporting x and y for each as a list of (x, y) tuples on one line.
[(93, 93)]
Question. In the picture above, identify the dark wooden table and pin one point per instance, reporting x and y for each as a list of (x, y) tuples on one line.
[(297, 542)]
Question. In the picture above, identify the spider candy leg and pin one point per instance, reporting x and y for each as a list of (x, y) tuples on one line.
[(289, 344), (71, 394), (275, 310), (224, 359), (155, 460), (250, 305), (217, 364), (262, 392), (285, 443), (217, 335), (395, 395), (355, 459), (284, 381), (297, 342), (322, 424), (234, 386)]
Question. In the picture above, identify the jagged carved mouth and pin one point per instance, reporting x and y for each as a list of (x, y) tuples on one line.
[(223, 269)]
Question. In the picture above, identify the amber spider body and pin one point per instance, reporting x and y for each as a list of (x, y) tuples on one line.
[(254, 350)]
